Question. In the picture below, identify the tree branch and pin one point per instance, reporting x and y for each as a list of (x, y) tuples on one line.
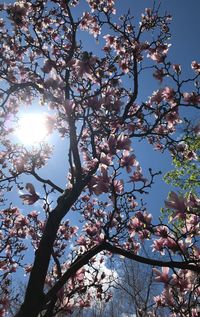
[(78, 264), (171, 264), (47, 181)]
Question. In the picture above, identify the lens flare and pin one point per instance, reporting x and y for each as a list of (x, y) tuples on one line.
[(32, 128)]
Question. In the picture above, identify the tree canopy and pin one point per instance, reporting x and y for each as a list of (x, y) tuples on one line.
[(92, 96)]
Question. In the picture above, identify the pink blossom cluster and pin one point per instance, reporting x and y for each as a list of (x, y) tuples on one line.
[(89, 23), (102, 5), (180, 294)]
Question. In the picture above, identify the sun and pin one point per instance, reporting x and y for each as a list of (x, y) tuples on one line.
[(32, 128)]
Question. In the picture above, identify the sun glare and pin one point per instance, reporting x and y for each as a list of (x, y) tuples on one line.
[(31, 128)]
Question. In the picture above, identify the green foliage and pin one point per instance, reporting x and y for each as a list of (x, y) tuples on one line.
[(186, 177), (186, 174)]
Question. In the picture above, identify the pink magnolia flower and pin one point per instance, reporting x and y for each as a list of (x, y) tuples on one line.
[(134, 225), (128, 160), (136, 247), (177, 203), (19, 10), (118, 186), (172, 119), (168, 93), (162, 276), (54, 81), (108, 6), (124, 66), (196, 252), (144, 234), (123, 142), (138, 177), (159, 53), (93, 102), (177, 68), (2, 157), (112, 144), (90, 23), (21, 222), (181, 147), (195, 66), (48, 65), (161, 129), (91, 230), (20, 163), (80, 275), (159, 300), (86, 21), (28, 268), (144, 217), (82, 241), (195, 312), (68, 305), (84, 67), (193, 202), (165, 299), (117, 105), (50, 122), (174, 245), (158, 245), (29, 199), (110, 40), (182, 281), (105, 159), (3, 312), (157, 97), (168, 296), (162, 231), (191, 98), (191, 155), (159, 74), (101, 183)]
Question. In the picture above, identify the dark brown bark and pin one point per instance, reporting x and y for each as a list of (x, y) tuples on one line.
[(34, 297), (77, 265)]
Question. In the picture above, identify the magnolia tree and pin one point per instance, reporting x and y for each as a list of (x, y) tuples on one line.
[(92, 100)]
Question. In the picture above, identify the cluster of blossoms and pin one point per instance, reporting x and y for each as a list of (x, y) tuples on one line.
[(22, 160), (92, 277), (90, 24), (15, 229), (102, 5), (180, 294)]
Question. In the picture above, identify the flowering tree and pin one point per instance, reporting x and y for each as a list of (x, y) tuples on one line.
[(93, 103)]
